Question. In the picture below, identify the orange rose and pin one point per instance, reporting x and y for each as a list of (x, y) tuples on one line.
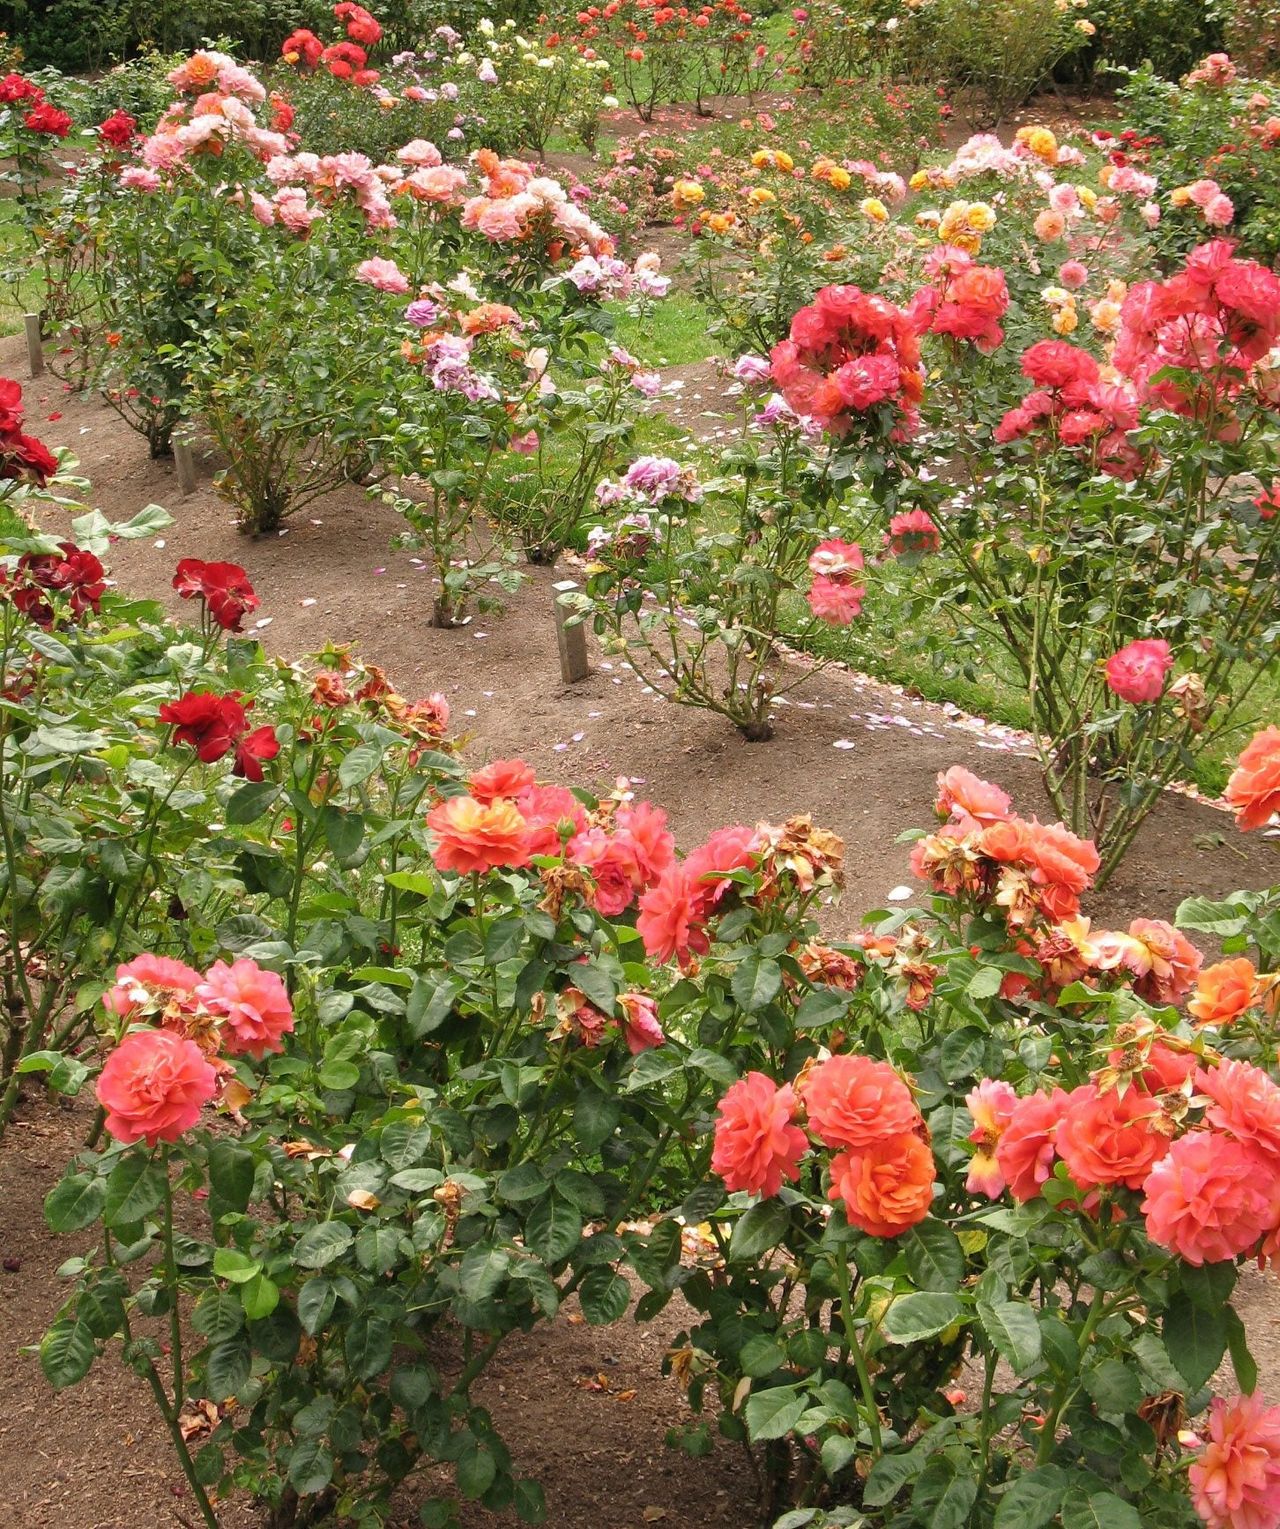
[(1107, 1139), (855, 1101), (477, 836), (886, 1187), (1223, 992), (1254, 787)]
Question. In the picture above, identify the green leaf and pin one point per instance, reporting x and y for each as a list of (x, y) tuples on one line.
[(760, 1228), (1013, 1329), (942, 1497), (66, 1352), (403, 1144), (761, 1355), (259, 1296), (359, 764), (475, 1471), (595, 1118), (319, 1245), (218, 1315), (228, 1368), (310, 1467), (343, 831), (1114, 1386), (553, 1229), (1242, 1361), (1102, 1510), (596, 982), (605, 1297), (316, 1301), (231, 1175), (888, 1476), (135, 1187), (74, 1202), (1033, 1500), (233, 1265), (530, 1503), (756, 981), (774, 1413), (1194, 1339), (481, 1272), (368, 1345), (985, 982), (912, 1318), (935, 1259), (1207, 917), (249, 803)]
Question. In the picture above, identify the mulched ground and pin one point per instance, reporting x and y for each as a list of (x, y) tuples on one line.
[(584, 1410)]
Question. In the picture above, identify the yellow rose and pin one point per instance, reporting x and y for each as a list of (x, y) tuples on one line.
[(760, 196), (873, 208), (1180, 196), (919, 180), (686, 194), (981, 218), (1040, 141), (783, 161), (1088, 196), (1065, 321)]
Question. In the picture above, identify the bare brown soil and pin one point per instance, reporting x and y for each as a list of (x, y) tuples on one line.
[(585, 1411)]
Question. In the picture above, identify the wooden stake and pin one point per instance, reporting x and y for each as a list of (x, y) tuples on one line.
[(571, 636), (35, 345), (185, 463)]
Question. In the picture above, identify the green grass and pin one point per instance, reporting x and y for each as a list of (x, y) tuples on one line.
[(673, 333), (20, 287)]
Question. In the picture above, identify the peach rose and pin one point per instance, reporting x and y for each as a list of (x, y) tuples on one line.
[(962, 795), (478, 836), (756, 1144), (1235, 1482), (151, 981), (855, 1101), (1254, 787), (1106, 1138), (1246, 1104), (252, 1003), (886, 1187), (1223, 992), (153, 1086)]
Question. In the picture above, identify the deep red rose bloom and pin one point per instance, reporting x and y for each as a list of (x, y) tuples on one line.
[(118, 129), (10, 406), (261, 744), (14, 88), (212, 724), (224, 587), (47, 119), (70, 571)]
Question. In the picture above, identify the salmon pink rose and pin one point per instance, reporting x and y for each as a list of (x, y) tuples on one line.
[(1246, 1104), (149, 981), (669, 920), (478, 836), (1137, 672), (153, 1086), (385, 275), (1235, 1482), (1210, 1198), (1107, 1138), (640, 1026), (962, 795), (501, 777), (853, 1101), (1254, 787), (1027, 1147), (886, 1187), (253, 1005), (757, 1145)]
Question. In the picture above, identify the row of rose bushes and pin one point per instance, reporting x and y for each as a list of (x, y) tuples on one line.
[(390, 1055), (432, 331)]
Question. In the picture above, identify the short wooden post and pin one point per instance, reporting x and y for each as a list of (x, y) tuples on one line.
[(35, 344), (571, 636), (185, 462)]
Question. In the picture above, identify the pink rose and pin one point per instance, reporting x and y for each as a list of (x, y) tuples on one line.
[(1137, 672), (154, 1085), (253, 1003)]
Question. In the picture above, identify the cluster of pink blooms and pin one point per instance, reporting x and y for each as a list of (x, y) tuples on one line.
[(1211, 323), (158, 1079), (216, 105), (881, 1169), (1216, 70), (834, 594), (651, 480), (1210, 1186), (1071, 401), (1208, 197), (333, 176), (848, 353), (965, 300)]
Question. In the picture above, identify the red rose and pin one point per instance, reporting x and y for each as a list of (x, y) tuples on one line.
[(14, 88), (211, 724), (118, 129), (47, 119), (70, 571), (224, 587)]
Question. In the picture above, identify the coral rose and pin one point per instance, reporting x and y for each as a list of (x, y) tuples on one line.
[(1223, 992), (1137, 672), (885, 1188), (1210, 1198), (756, 1144), (153, 1086), (1254, 787), (641, 1028), (252, 1003), (1246, 1103), (1028, 1144), (853, 1101), (668, 922), (962, 795), (1107, 1138), (478, 836), (1171, 962), (501, 777), (150, 980), (1235, 1482)]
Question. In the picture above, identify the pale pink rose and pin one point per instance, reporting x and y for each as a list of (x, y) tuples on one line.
[(1073, 275), (385, 275)]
